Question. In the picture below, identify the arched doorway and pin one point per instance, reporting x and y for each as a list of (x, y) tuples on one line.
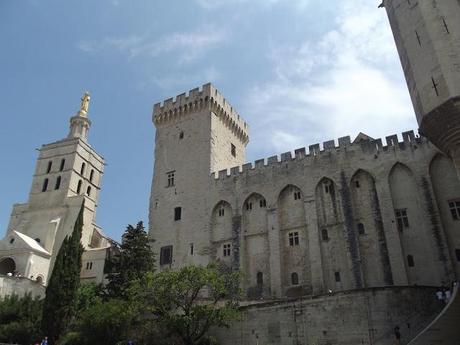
[(7, 265)]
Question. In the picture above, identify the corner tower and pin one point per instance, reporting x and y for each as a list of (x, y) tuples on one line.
[(196, 134), (427, 35)]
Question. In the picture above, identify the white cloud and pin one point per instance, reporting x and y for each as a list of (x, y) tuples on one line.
[(350, 80)]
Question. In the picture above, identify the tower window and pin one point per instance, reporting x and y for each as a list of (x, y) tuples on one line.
[(294, 278), (89, 265), (61, 167), (58, 183), (45, 185), (248, 206), (260, 278), (402, 219), (326, 188), (181, 135), (82, 169), (357, 185), (297, 196), (191, 248), (91, 175), (79, 186), (233, 150), (88, 191), (263, 203), (227, 249), (221, 212), (293, 239), (337, 277), (166, 255), (170, 176), (48, 169), (410, 261), (457, 254), (361, 229), (324, 235), (454, 207), (177, 213)]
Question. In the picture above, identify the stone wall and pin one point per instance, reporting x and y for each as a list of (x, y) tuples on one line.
[(366, 316), (20, 286)]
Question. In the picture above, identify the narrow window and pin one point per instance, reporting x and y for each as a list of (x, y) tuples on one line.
[(177, 213), (410, 261), (79, 186), (61, 167), (402, 219), (88, 191), (82, 169), (45, 185), (227, 249), (233, 150), (170, 176), (324, 235), (48, 169), (91, 175), (454, 207), (326, 188), (191, 248), (181, 135), (221, 212), (294, 278), (337, 277), (249, 206), (89, 265), (12, 241), (297, 196), (357, 185), (58, 183), (166, 255), (293, 239), (361, 229), (263, 203), (260, 278), (457, 254)]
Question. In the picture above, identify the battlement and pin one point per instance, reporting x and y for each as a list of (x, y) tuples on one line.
[(372, 147), (208, 98)]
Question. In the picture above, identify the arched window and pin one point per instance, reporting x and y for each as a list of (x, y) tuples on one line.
[(7, 265), (88, 191), (260, 278), (324, 235), (45, 185), (58, 183), (410, 261), (361, 229), (48, 169), (79, 186), (62, 165), (82, 170), (91, 175), (294, 278)]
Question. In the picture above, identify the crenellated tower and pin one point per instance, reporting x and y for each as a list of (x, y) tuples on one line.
[(196, 134), (427, 35)]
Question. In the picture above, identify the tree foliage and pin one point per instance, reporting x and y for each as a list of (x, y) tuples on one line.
[(59, 303), (133, 261)]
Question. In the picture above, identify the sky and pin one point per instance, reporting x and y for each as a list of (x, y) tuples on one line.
[(298, 71)]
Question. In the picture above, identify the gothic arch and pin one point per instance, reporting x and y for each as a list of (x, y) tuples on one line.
[(7, 265), (221, 222)]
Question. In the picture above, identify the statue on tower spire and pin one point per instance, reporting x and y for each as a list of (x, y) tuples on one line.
[(80, 124), (85, 103)]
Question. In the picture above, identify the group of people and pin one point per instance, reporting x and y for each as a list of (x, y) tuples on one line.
[(43, 342), (443, 294)]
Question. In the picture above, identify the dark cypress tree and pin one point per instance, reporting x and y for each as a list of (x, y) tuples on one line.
[(134, 260), (59, 304)]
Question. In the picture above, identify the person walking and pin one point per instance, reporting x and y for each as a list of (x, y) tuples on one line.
[(45, 341), (397, 336)]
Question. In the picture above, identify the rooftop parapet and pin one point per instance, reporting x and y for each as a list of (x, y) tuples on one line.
[(208, 98), (372, 147)]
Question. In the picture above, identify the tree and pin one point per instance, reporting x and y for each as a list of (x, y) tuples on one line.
[(188, 302), (133, 261), (60, 300)]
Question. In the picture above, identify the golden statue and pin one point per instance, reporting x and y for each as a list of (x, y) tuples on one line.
[(85, 102)]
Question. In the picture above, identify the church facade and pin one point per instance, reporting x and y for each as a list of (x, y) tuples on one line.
[(340, 216), (67, 172)]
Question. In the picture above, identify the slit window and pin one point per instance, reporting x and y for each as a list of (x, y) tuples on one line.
[(61, 167), (58, 183), (79, 186), (227, 249), (82, 169), (293, 239), (326, 188), (89, 265), (166, 255), (48, 168), (263, 203), (294, 278), (401, 219), (181, 135), (248, 206), (191, 249), (88, 191), (337, 277), (91, 175), (324, 235), (357, 185), (170, 176), (233, 150), (45, 185), (297, 196), (454, 207), (221, 212), (361, 230), (410, 261), (177, 213), (260, 278)]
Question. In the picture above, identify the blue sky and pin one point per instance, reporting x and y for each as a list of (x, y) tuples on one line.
[(298, 71)]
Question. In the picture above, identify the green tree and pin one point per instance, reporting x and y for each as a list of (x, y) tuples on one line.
[(60, 300), (186, 303), (20, 319), (134, 260)]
